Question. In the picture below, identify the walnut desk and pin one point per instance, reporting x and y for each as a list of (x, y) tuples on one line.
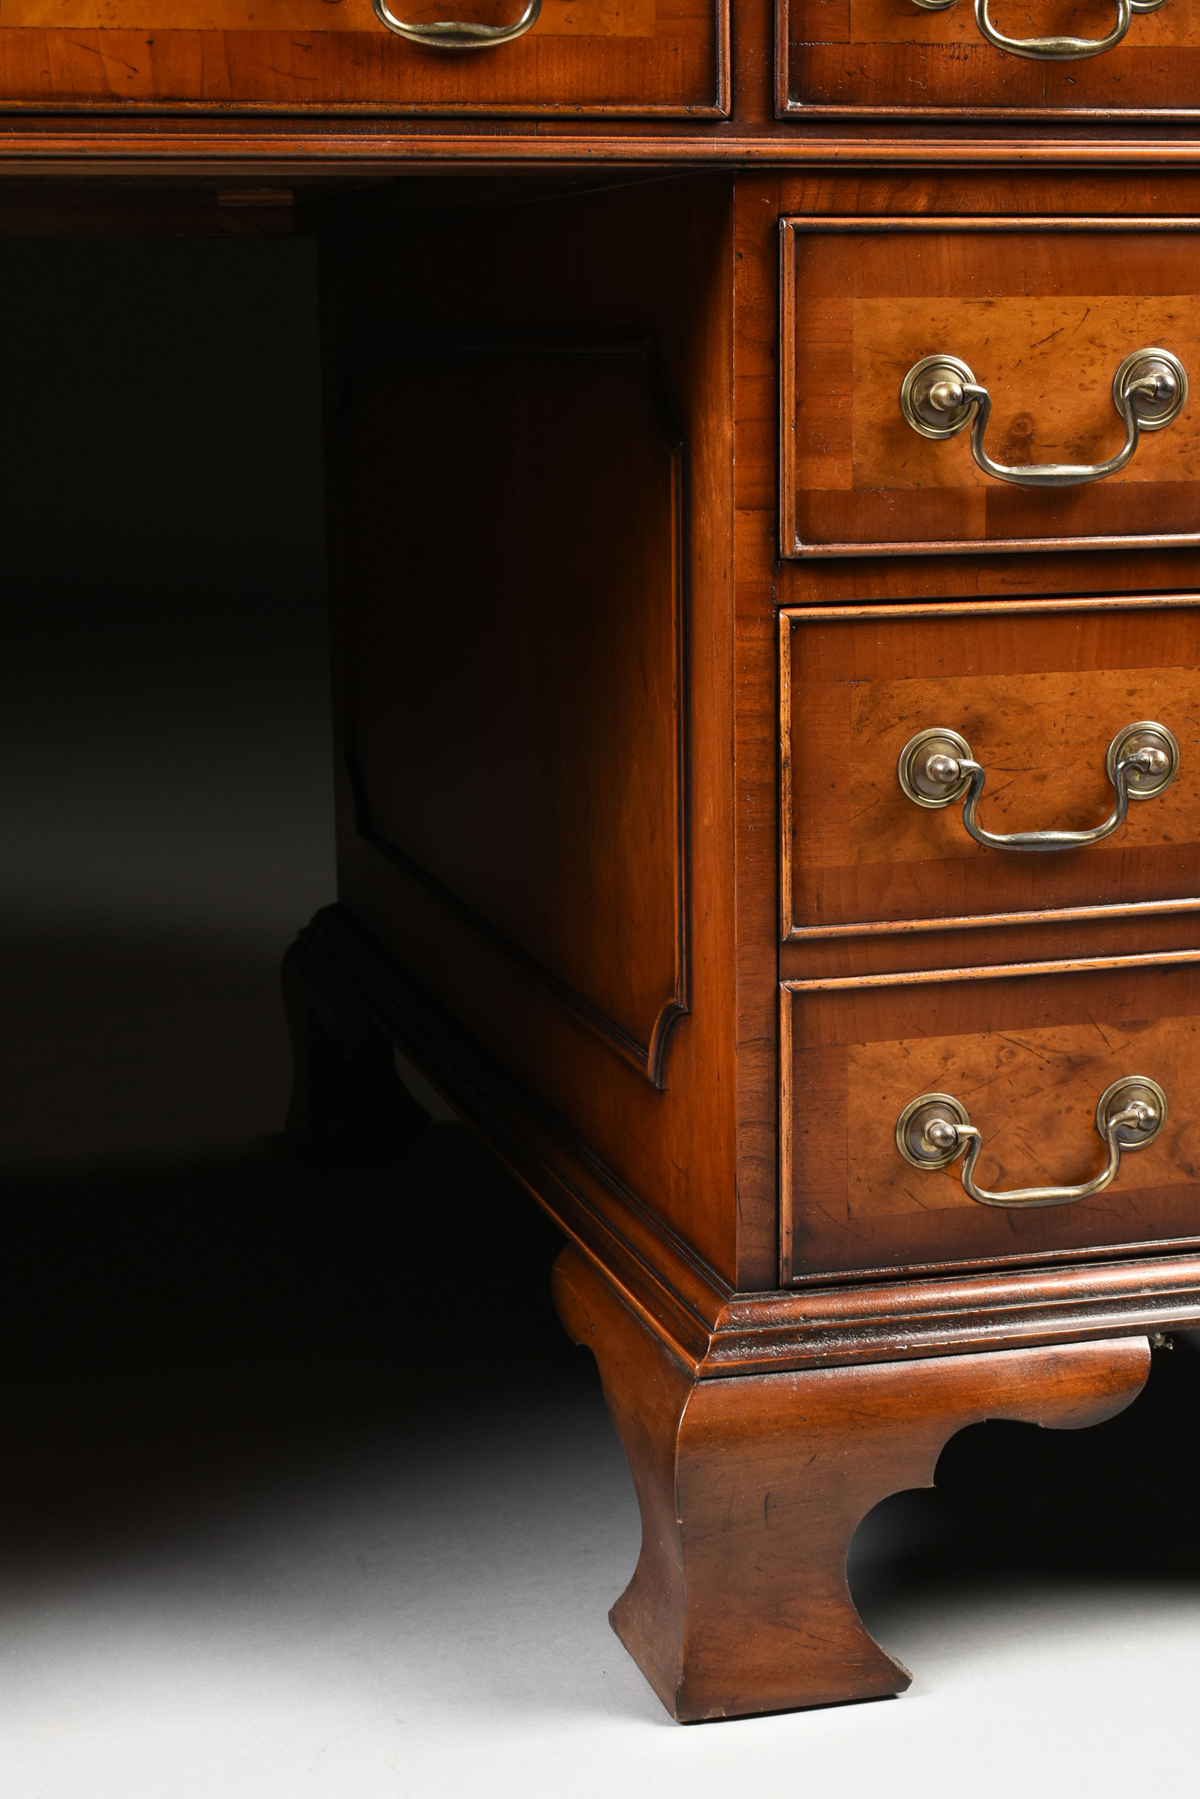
[(766, 508)]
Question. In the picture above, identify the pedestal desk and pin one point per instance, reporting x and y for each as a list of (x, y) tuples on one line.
[(766, 515)]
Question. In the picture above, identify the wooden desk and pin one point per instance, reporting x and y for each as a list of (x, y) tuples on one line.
[(691, 693)]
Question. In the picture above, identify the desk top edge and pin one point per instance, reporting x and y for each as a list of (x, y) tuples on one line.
[(83, 150)]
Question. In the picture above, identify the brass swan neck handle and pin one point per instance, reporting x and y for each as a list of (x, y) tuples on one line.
[(460, 34), (934, 1129), (939, 397), (937, 769), (1051, 49)]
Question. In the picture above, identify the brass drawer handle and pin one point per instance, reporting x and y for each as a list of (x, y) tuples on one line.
[(458, 34), (940, 397), (1051, 49), (936, 769), (933, 1130)]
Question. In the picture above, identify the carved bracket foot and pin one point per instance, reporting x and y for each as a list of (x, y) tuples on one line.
[(751, 1489)]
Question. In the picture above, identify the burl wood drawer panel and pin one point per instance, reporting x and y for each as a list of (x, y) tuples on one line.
[(1043, 315), (638, 57), (862, 57), (1039, 697), (1029, 1056)]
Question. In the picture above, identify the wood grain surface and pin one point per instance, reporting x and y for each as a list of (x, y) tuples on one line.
[(558, 18), (515, 709), (864, 57), (550, 564), (1020, 198), (1043, 318), (713, 1331), (1039, 697), (1029, 1057), (751, 1489), (637, 57)]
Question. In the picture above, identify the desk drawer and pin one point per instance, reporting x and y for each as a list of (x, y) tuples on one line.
[(862, 57), (636, 57), (1028, 1057), (1035, 698), (1042, 326)]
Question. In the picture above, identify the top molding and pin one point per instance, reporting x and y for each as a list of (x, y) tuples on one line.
[(85, 151)]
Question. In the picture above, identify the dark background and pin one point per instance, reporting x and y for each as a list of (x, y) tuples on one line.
[(187, 1300), (166, 827)]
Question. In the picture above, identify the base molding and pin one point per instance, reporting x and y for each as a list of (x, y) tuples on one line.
[(713, 1331)]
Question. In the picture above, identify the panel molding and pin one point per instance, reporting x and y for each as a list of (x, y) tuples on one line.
[(649, 1057), (991, 971)]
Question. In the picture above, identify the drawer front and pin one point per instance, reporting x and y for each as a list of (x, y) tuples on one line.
[(1044, 319), (883, 56), (1028, 1057), (1038, 697), (637, 57)]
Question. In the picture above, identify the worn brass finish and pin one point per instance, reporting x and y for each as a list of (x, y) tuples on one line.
[(934, 1129), (937, 1109), (1132, 1091), (1051, 49), (458, 34), (1152, 755), (936, 769), (1158, 381), (931, 769), (932, 395), (939, 397)]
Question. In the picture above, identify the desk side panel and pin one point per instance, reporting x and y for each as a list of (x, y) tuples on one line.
[(530, 424)]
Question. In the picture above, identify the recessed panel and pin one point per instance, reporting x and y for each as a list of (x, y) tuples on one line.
[(516, 668)]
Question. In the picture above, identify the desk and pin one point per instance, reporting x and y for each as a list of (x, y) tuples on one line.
[(762, 490)]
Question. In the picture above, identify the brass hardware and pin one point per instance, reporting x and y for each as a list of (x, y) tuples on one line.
[(936, 769), (940, 1113), (934, 1130), (940, 397), (1153, 752), (931, 769), (1051, 49), (933, 396), (458, 34)]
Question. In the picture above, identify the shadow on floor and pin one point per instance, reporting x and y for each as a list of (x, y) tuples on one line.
[(177, 1329), (170, 1328)]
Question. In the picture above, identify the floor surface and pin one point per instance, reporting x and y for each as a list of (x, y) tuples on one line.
[(268, 1533)]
